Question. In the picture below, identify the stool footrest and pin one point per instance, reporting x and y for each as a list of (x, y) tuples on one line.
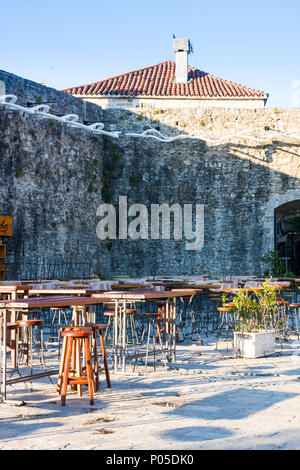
[(77, 381)]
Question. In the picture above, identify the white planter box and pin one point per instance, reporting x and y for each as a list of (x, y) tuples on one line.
[(252, 345)]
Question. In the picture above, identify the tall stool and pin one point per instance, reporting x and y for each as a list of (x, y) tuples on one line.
[(214, 320), (152, 324), (56, 324), (130, 324), (12, 344), (14, 347), (75, 339), (162, 319), (80, 316), (98, 328), (26, 344), (225, 317), (282, 323), (294, 319)]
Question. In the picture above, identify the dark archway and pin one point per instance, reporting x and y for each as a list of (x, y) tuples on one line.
[(287, 234)]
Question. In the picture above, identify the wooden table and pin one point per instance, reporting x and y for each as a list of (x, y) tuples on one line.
[(14, 290), (238, 289), (121, 299), (63, 291), (14, 305), (130, 286)]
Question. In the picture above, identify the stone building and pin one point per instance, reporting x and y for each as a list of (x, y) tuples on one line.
[(170, 85)]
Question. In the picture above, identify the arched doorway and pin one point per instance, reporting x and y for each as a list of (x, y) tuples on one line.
[(287, 234)]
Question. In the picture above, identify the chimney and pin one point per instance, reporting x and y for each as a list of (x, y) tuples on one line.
[(182, 49)]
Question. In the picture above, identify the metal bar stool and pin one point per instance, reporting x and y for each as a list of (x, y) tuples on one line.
[(28, 342), (152, 320), (214, 315), (81, 316), (225, 318), (161, 320), (56, 323), (130, 325), (294, 317), (282, 324)]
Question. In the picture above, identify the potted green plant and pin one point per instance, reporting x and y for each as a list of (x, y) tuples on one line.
[(276, 265), (257, 313)]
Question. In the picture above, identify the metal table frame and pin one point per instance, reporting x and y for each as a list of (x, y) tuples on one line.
[(121, 301)]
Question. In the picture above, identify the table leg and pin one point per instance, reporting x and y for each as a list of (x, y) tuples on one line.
[(13, 334), (167, 326), (124, 335), (75, 322), (4, 363), (120, 335), (75, 316), (78, 366), (92, 309), (174, 329), (115, 336)]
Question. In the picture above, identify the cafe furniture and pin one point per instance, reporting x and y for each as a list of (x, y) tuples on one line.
[(121, 300), (27, 305), (76, 338)]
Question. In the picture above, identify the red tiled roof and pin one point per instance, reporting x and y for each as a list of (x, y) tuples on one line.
[(157, 80)]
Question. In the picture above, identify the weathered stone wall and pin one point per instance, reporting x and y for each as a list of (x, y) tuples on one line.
[(240, 183), (30, 93), (50, 178), (53, 178), (174, 103)]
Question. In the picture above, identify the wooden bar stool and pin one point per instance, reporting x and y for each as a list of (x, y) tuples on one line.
[(99, 327), (81, 315), (161, 319), (214, 300), (75, 338), (225, 318)]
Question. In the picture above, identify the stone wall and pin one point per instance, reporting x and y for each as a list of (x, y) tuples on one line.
[(30, 93), (240, 183), (50, 178), (53, 178), (180, 103)]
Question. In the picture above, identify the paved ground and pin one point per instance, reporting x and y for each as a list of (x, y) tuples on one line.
[(207, 400)]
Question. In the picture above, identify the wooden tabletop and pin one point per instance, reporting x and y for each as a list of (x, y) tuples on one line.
[(205, 286), (63, 291), (237, 289), (146, 295), (186, 285), (52, 301), (196, 289), (8, 288), (130, 286)]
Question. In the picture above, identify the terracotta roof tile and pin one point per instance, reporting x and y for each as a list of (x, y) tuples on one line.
[(158, 80)]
